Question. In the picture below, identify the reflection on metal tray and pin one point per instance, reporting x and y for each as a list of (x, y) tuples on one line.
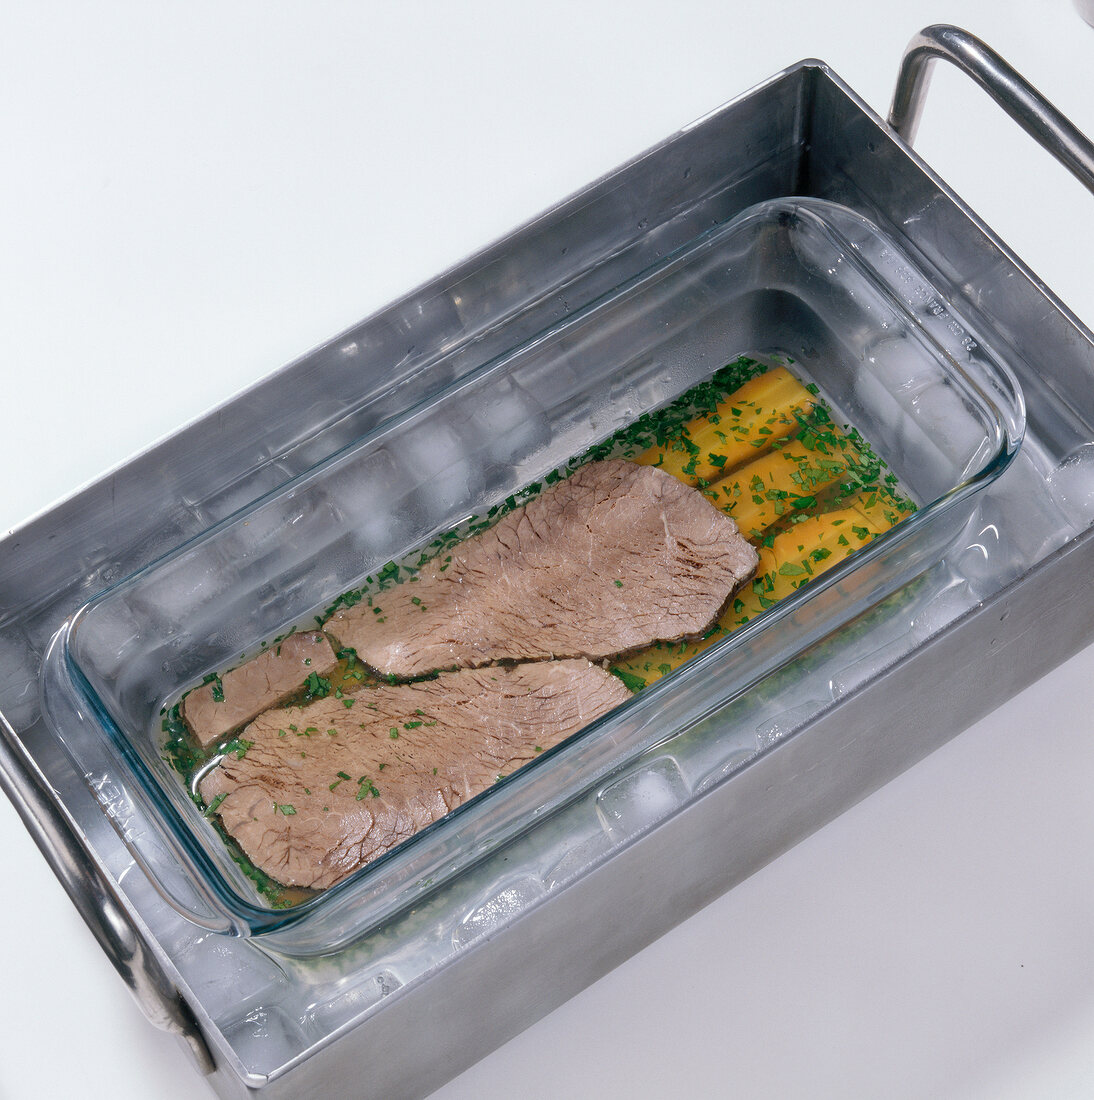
[(990, 606)]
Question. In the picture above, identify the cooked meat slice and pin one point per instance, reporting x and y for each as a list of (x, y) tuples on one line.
[(256, 685), (325, 788), (611, 559)]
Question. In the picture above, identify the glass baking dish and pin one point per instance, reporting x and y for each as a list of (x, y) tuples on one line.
[(789, 280)]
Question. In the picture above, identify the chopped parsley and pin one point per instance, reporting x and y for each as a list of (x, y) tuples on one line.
[(316, 687), (215, 804), (217, 688), (630, 681), (365, 786)]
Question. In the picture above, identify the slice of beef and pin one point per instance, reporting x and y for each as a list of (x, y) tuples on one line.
[(215, 710), (325, 788), (611, 559)]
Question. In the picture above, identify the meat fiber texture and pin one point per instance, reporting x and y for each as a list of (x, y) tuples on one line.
[(325, 788), (611, 559), (257, 685)]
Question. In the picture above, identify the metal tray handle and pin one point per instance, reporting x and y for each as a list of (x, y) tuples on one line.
[(1002, 82), (94, 895)]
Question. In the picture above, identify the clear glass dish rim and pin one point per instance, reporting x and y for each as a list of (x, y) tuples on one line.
[(259, 919)]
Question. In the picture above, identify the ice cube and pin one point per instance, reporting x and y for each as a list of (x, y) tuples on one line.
[(787, 721), (727, 767), (18, 678), (228, 975), (264, 1039), (899, 363), (509, 425), (1016, 523), (947, 603), (499, 908), (347, 1004), (1072, 484), (641, 798), (576, 859)]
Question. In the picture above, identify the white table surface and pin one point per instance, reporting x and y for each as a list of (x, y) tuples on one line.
[(193, 194)]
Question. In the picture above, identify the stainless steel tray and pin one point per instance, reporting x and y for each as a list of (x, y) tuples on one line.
[(852, 158)]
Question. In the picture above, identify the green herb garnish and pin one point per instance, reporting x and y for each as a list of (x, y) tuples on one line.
[(215, 804), (218, 686)]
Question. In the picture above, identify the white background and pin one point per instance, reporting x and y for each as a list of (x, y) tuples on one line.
[(194, 193)]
